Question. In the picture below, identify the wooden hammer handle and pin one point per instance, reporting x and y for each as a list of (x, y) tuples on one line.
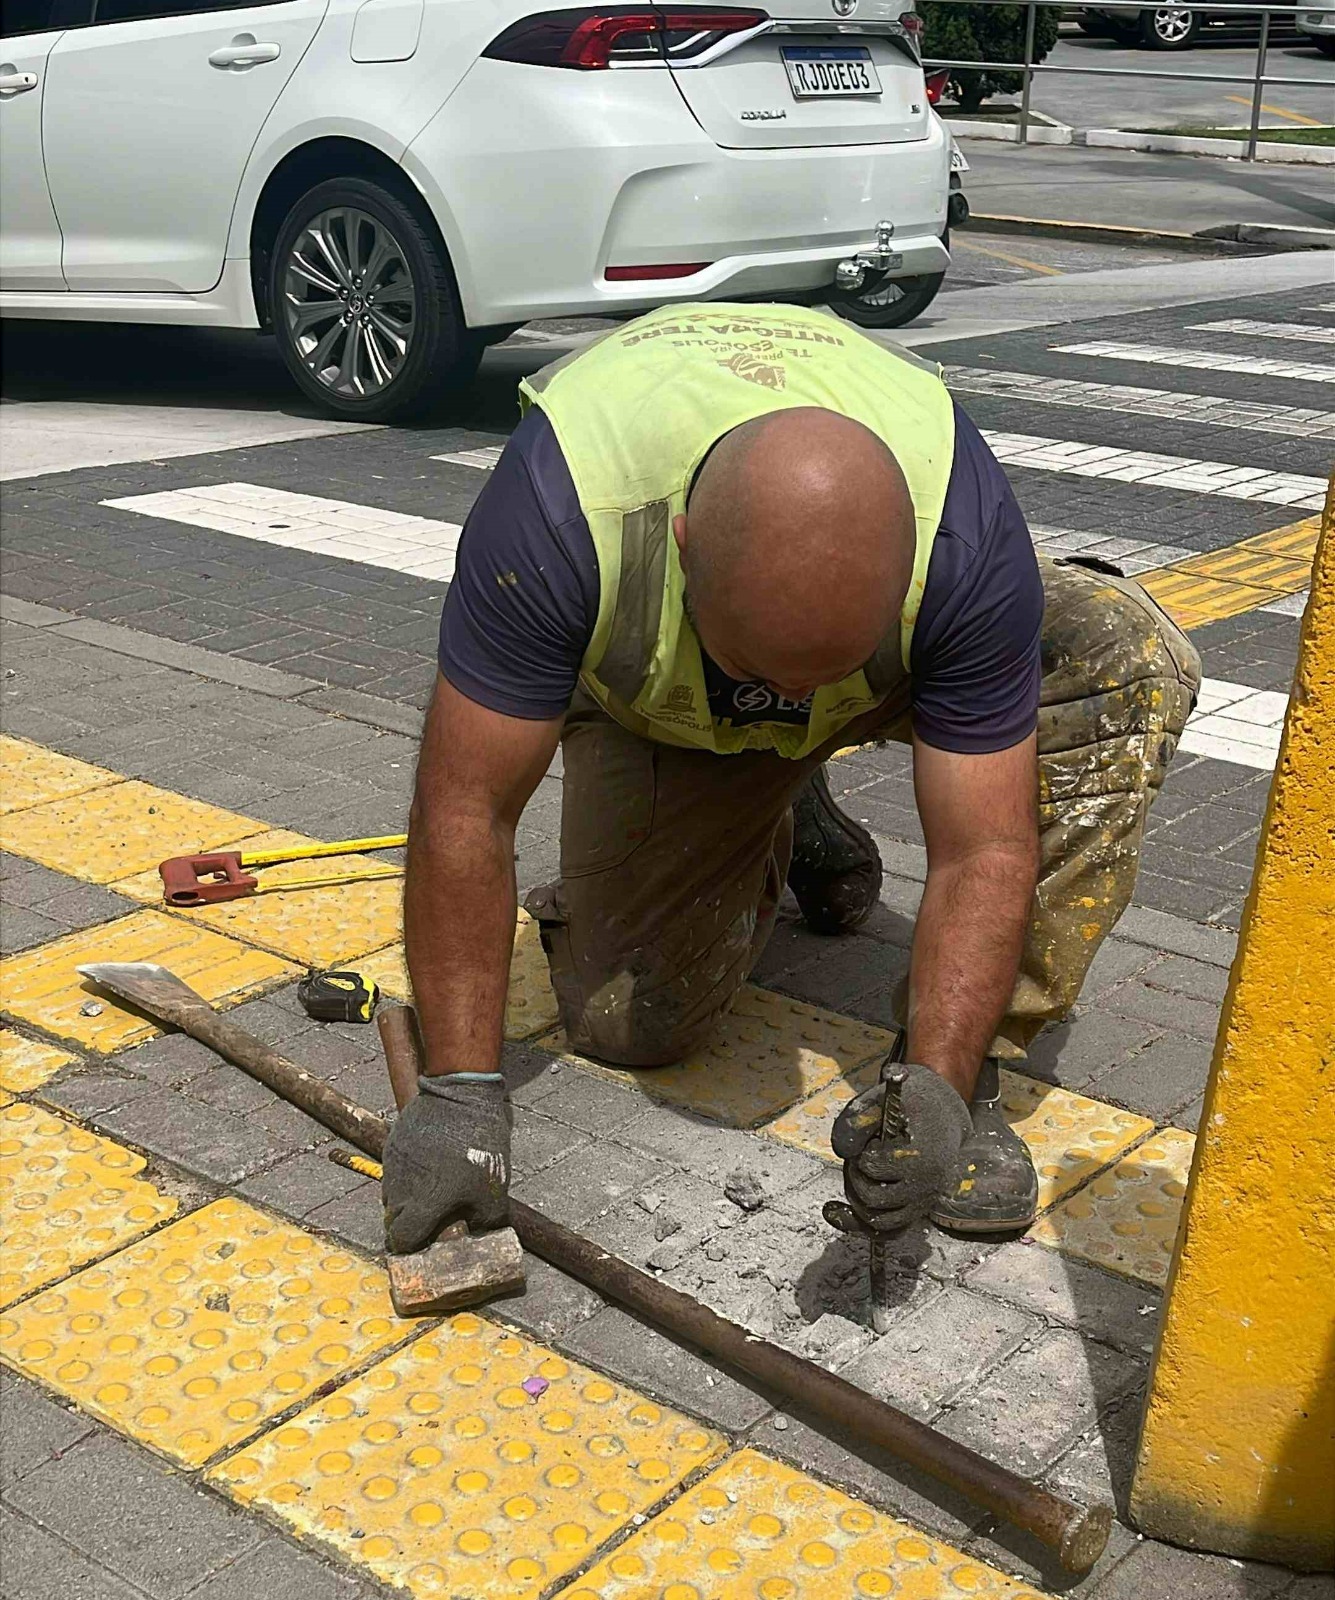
[(398, 1034)]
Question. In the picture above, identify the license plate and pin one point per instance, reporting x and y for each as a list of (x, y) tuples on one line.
[(957, 161), (830, 72)]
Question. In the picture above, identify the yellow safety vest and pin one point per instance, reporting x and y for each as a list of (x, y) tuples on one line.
[(636, 413)]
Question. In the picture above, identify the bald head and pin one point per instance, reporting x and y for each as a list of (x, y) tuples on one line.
[(797, 548)]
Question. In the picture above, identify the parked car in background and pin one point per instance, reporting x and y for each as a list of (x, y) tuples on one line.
[(1173, 27), (1318, 28), (390, 185)]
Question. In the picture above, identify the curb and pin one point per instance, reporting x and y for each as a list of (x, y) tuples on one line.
[(1009, 132), (1185, 145), (1225, 242)]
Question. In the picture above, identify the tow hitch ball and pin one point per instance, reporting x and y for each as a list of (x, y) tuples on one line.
[(851, 272)]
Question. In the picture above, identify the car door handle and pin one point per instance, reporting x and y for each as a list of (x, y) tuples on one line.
[(244, 53), (12, 82)]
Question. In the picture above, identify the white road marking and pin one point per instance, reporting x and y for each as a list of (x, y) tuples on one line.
[(1214, 410), (1233, 722), (419, 546), (1160, 472), (1205, 360), (484, 458), (1290, 605), (1268, 330)]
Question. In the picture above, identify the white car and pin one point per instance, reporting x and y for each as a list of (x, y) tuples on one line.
[(1319, 26), (390, 185)]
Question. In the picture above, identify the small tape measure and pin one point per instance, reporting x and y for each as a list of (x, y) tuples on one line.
[(338, 996)]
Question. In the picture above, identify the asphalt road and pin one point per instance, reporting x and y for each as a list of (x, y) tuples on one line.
[(1083, 102)]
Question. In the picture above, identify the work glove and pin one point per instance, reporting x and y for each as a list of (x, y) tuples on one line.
[(447, 1159), (893, 1181)]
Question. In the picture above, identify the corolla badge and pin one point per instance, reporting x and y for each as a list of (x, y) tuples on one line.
[(844, 8)]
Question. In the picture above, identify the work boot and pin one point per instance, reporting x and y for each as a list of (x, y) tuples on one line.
[(836, 869), (995, 1187)]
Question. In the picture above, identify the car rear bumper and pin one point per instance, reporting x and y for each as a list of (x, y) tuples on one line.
[(616, 172)]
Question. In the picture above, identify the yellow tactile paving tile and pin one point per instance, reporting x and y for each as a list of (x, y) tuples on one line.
[(192, 1339), (755, 1529), (767, 1053), (1069, 1135), (530, 1005), (1237, 578), (30, 775), (1298, 540), (66, 1197), (324, 926), (1193, 600), (27, 1064), (113, 832), (1126, 1219), (441, 1472), (42, 987)]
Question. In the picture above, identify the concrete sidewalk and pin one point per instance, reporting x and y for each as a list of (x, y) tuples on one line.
[(1132, 188)]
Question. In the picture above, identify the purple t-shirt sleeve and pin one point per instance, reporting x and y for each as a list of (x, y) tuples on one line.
[(975, 658), (521, 609)]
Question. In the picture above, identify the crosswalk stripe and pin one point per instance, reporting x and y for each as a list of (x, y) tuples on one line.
[(419, 546), (484, 458), (1160, 472), (1268, 330), (1214, 410), (1204, 360), (1234, 722)]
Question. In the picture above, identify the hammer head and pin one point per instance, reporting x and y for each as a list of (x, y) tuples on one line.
[(458, 1270)]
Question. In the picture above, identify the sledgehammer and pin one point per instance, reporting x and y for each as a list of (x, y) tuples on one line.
[(458, 1268)]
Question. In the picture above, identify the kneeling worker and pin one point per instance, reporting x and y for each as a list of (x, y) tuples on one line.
[(724, 542)]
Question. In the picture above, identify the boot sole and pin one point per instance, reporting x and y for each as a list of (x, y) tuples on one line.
[(982, 1226)]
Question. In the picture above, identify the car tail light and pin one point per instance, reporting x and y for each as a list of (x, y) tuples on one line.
[(589, 40), (674, 269), (936, 85)]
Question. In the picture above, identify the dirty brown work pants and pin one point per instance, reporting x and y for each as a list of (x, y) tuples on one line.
[(673, 860)]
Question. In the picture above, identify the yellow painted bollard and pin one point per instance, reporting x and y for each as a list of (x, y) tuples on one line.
[(1237, 1449)]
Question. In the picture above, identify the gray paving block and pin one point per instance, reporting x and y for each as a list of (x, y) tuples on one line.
[(1197, 979), (356, 1217), (615, 1342), (301, 1184), (1117, 960), (1180, 936), (551, 1304), (283, 1572), (712, 1152), (91, 1094), (1097, 1470), (1034, 1406), (120, 1506), (1159, 1080), (1075, 1053), (33, 1429), (938, 1349), (170, 1059), (187, 657), (1164, 1009), (586, 1182), (22, 929), (1155, 1571), (1316, 1586), (536, 1141), (37, 1566), (661, 1224), (1099, 1304), (212, 1143), (29, 615), (591, 1103)]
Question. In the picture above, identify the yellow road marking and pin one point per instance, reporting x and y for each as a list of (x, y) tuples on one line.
[(440, 1472), (1277, 111), (1000, 255), (1126, 1219), (758, 1528), (43, 988), (764, 1055), (191, 1340), (66, 1197), (1237, 578)]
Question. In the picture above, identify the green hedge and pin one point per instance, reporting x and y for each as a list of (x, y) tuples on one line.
[(983, 33)]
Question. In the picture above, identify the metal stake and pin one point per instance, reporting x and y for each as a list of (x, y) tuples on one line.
[(1258, 89), (1030, 18)]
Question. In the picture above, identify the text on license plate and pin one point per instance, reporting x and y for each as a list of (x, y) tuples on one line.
[(817, 72)]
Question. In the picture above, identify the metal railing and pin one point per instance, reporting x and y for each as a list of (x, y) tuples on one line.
[(1028, 68)]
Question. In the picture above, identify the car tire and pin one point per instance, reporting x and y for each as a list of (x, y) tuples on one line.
[(364, 304), (890, 304), (1095, 27), (1169, 28), (1325, 45)]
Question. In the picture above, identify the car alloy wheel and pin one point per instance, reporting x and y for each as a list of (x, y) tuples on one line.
[(349, 302), (1172, 27)]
